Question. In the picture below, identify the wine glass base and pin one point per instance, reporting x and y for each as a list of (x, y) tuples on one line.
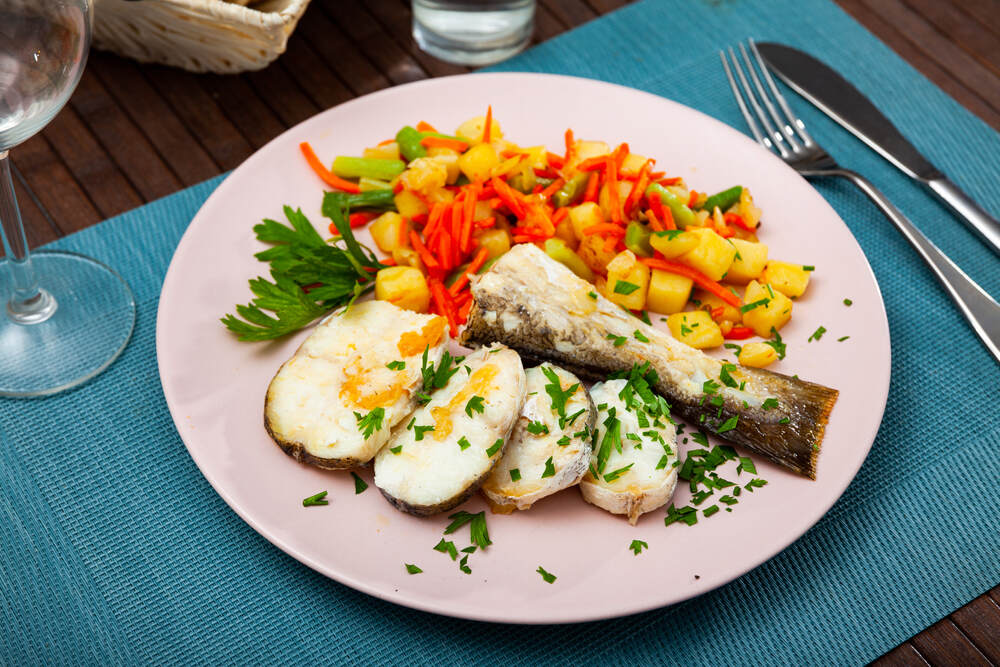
[(92, 322)]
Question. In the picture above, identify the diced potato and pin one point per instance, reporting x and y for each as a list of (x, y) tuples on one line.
[(406, 256), (628, 281), (562, 253), (705, 300), (604, 199), (496, 241), (695, 328), (483, 210), (750, 213), (471, 131), (409, 205), (789, 279), (389, 151), (592, 252), (477, 162), (449, 158), (601, 285), (701, 219), (440, 195), (387, 231), (775, 313), (668, 292), (564, 231), (712, 256), (583, 216), (583, 150), (424, 175), (749, 262), (757, 355), (633, 163), (673, 243), (403, 286)]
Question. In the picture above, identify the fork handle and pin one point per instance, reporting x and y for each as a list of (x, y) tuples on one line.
[(978, 307)]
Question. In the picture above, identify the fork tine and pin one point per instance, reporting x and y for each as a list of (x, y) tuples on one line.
[(761, 139), (783, 127), (794, 120), (776, 138)]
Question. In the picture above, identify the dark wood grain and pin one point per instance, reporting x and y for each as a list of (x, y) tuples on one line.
[(132, 133)]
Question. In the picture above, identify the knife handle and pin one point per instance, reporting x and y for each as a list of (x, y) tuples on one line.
[(984, 225), (978, 307)]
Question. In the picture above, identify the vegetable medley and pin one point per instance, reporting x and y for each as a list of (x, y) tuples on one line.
[(445, 207)]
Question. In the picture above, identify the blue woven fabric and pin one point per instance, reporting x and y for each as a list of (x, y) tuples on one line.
[(114, 549)]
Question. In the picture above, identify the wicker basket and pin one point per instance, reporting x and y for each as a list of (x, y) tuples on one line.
[(197, 35)]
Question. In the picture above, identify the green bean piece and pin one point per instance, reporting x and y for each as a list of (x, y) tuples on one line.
[(683, 216), (410, 148), (442, 136), (637, 239), (572, 190), (379, 200), (363, 167), (457, 273), (723, 199)]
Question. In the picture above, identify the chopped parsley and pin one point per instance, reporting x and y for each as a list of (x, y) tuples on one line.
[(464, 443), (435, 377), (644, 316), (746, 465), (592, 295), (495, 447), (396, 450), (816, 335), (734, 347), (359, 484), (784, 420), (563, 441), (710, 510), (639, 336), (447, 547), (618, 340), (637, 546), (418, 431), (313, 501), (776, 344), (572, 418), (727, 379), (662, 463), (842, 339), (557, 394), (685, 329), (396, 365), (547, 576), (769, 403), (754, 483), (612, 439), (371, 422), (754, 304), (537, 428), (550, 469), (710, 387), (463, 565), (412, 569), (515, 474), (615, 474), (625, 287), (729, 424), (847, 302), (475, 404), (477, 527), (808, 267), (670, 234)]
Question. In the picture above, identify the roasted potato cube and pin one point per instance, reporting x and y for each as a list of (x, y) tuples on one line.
[(628, 281), (389, 151), (477, 162), (592, 252), (749, 262), (564, 232), (424, 175), (403, 286), (757, 355), (583, 150), (695, 328), (673, 243), (406, 256), (471, 131), (668, 292), (747, 209), (496, 242), (712, 256), (449, 158), (774, 312), (633, 163), (409, 205), (387, 231), (604, 199), (583, 216), (705, 300), (789, 279)]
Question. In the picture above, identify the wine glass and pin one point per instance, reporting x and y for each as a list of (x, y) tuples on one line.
[(67, 317)]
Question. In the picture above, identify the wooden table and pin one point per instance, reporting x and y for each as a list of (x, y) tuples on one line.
[(133, 133)]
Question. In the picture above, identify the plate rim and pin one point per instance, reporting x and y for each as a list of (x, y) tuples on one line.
[(432, 606)]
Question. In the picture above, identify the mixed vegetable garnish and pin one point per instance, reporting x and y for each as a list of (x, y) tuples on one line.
[(443, 208)]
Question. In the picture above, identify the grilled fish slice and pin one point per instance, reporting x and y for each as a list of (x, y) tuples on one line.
[(539, 307), (339, 372), (548, 451), (446, 465)]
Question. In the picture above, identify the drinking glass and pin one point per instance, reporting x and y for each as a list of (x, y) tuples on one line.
[(67, 317), (473, 32)]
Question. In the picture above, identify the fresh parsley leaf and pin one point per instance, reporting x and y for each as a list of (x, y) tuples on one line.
[(637, 546), (313, 501), (447, 547), (418, 431), (746, 465), (515, 474), (847, 302), (729, 424), (495, 447), (592, 295), (550, 469), (396, 365), (464, 443), (662, 463), (727, 379), (475, 404), (480, 536), (754, 304), (412, 569), (396, 450), (710, 510), (807, 267), (842, 339), (769, 403), (639, 336), (618, 340), (615, 474), (371, 422), (778, 346), (537, 428), (563, 441), (547, 576), (359, 484), (816, 335), (625, 287), (557, 394)]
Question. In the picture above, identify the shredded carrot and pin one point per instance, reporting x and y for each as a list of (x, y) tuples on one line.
[(560, 214), (441, 142), (425, 256), (328, 176), (638, 188), (444, 303), (468, 214), (569, 145), (396, 189), (546, 172), (554, 161), (404, 231), (654, 222), (692, 199), (738, 220), (697, 276), (424, 126), (670, 181), (388, 261), (739, 333), (657, 175), (508, 196), (717, 312), (590, 194), (605, 229), (463, 312), (665, 214), (489, 123), (361, 218), (445, 252), (610, 243), (434, 220), (614, 201), (487, 192), (553, 188), (593, 163), (473, 267)]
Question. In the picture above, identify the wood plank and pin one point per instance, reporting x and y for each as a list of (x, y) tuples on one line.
[(105, 184), (607, 6), (281, 94), (887, 32), (570, 12), (547, 25), (963, 67), (944, 644), (38, 227), (313, 75), (980, 622), (955, 26), (200, 115), (397, 18), (54, 185), (985, 12), (904, 655), (149, 111), (124, 142), (234, 95), (334, 47)]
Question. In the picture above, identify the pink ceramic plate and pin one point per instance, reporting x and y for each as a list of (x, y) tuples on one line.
[(215, 385)]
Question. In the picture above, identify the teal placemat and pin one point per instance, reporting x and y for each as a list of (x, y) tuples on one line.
[(114, 549)]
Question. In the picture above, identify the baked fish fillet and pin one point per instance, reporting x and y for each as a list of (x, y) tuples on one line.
[(536, 305)]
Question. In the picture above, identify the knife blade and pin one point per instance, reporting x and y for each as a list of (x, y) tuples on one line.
[(841, 101)]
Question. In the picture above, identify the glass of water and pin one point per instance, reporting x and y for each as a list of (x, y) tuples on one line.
[(473, 32), (65, 317)]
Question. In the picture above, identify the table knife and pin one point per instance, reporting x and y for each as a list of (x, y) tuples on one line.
[(844, 103)]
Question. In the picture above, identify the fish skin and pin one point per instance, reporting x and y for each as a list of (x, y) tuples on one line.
[(539, 307)]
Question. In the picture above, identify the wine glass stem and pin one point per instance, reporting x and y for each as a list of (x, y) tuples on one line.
[(28, 303)]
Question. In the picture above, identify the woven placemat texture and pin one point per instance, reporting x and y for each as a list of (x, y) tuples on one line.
[(114, 549)]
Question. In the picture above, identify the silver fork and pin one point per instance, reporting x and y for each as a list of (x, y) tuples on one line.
[(786, 135)]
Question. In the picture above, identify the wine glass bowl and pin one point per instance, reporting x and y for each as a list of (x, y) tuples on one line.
[(67, 317)]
